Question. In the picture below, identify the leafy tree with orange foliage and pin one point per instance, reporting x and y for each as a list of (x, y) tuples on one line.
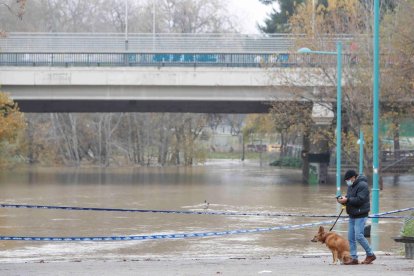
[(398, 89), (351, 21), (11, 125)]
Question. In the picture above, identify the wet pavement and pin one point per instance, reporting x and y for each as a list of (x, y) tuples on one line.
[(275, 265)]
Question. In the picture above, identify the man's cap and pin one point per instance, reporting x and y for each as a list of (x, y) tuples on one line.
[(350, 174)]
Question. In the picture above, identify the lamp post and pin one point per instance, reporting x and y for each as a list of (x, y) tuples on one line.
[(153, 25), (338, 54), (313, 17), (375, 144), (376, 86), (153, 17), (126, 25), (361, 151)]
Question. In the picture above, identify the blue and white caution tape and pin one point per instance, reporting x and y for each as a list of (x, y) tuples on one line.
[(22, 206), (392, 217), (19, 206), (167, 236), (384, 214), (184, 235)]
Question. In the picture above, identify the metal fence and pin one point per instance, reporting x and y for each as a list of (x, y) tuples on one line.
[(169, 59), (153, 43), (109, 49)]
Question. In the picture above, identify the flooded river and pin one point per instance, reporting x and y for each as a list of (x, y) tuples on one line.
[(226, 185)]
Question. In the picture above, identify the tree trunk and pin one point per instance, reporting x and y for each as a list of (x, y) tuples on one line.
[(305, 152), (243, 152), (283, 146), (129, 147), (100, 140), (75, 142), (30, 136), (397, 141)]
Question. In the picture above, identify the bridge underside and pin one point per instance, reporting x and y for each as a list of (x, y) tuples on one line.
[(181, 106), (128, 98)]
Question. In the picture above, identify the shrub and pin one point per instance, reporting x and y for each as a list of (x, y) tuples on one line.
[(408, 228), (292, 162)]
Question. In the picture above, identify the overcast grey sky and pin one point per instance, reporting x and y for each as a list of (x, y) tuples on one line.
[(250, 12)]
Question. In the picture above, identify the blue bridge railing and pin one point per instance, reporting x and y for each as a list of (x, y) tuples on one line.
[(168, 59)]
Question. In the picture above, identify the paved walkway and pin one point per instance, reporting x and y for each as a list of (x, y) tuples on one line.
[(276, 265)]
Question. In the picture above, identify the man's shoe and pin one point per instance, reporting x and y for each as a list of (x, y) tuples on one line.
[(369, 259), (351, 262)]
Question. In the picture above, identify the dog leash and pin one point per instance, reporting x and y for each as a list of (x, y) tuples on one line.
[(343, 208)]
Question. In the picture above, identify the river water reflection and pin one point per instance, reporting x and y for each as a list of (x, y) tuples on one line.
[(226, 185)]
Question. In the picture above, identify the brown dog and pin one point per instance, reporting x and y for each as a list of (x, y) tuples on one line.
[(336, 243)]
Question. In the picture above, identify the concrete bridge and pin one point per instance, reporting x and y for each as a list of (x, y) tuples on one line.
[(148, 89), (163, 73)]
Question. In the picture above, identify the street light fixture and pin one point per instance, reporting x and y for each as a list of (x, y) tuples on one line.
[(338, 54)]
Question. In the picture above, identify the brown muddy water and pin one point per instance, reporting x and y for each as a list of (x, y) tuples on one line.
[(226, 185)]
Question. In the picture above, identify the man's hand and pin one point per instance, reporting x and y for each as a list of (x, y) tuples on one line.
[(342, 199)]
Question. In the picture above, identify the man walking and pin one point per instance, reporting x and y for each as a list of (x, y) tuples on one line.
[(357, 207)]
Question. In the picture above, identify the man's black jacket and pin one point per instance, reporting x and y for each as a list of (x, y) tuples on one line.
[(358, 205)]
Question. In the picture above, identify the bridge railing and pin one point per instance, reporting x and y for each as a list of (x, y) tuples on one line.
[(168, 49), (169, 59), (154, 43)]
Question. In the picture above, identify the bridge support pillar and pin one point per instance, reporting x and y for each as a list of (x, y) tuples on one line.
[(316, 154), (318, 158), (315, 157)]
